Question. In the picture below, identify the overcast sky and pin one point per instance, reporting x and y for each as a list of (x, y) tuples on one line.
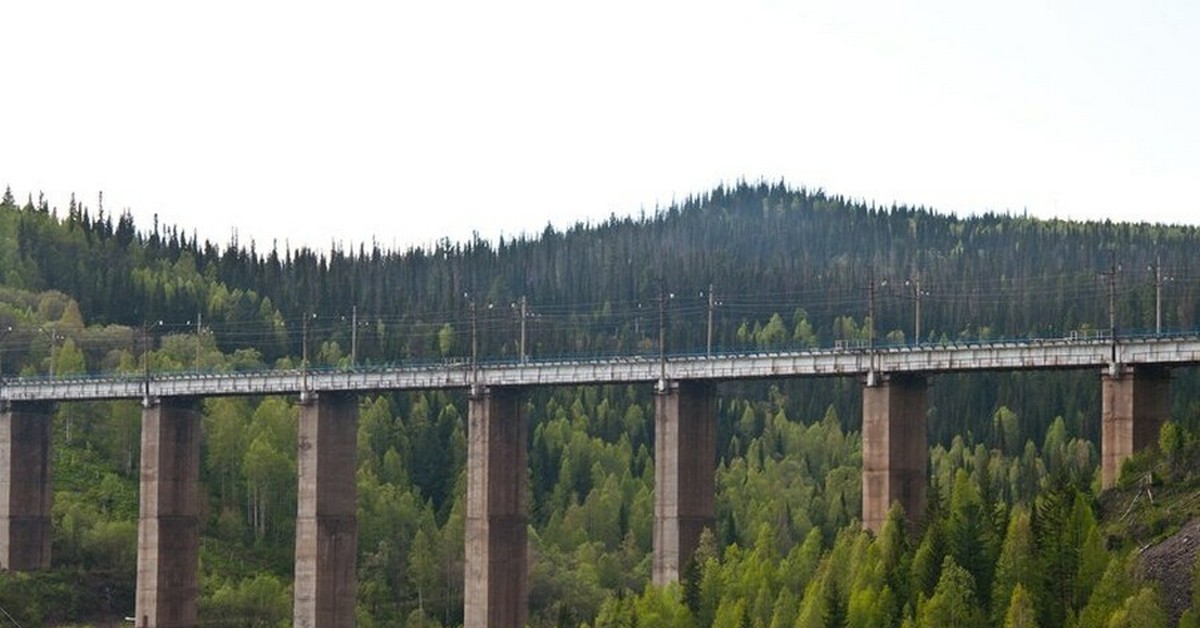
[(406, 122)]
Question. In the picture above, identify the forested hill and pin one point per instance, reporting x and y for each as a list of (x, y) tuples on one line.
[(763, 248), (1016, 531), (787, 267)]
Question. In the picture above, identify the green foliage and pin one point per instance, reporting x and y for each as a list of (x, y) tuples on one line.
[(262, 601), (953, 603), (445, 340), (1017, 566), (1109, 595), (57, 596), (1142, 610), (618, 611), (1093, 560), (971, 540), (1011, 530), (799, 257), (927, 562), (773, 334), (1020, 613), (269, 468), (1059, 559), (662, 607), (1007, 430)]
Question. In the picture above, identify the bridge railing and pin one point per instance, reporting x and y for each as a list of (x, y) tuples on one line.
[(1063, 352)]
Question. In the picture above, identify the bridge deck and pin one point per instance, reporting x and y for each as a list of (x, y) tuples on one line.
[(927, 359)]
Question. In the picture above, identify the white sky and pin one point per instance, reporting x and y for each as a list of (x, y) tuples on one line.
[(409, 121)]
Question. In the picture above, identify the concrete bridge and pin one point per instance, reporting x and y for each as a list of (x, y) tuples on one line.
[(1134, 374)]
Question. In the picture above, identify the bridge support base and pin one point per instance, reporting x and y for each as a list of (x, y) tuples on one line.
[(685, 425), (168, 527), (25, 495), (1135, 404), (497, 567), (327, 520), (895, 449)]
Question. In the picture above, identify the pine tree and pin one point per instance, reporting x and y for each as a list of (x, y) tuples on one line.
[(1142, 610), (1017, 565), (1020, 612), (953, 604), (1109, 594), (968, 532)]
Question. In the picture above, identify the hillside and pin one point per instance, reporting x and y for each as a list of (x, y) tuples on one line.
[(787, 267), (1013, 457)]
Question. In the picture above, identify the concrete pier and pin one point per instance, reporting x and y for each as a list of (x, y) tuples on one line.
[(327, 520), (685, 429), (1135, 402), (168, 525), (895, 448), (25, 492), (497, 547)]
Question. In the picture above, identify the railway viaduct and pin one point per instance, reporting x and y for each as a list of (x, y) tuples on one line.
[(1134, 376)]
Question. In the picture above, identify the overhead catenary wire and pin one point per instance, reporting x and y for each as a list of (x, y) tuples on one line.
[(954, 306)]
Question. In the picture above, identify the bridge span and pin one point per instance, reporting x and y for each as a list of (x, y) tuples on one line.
[(1134, 373), (1042, 354)]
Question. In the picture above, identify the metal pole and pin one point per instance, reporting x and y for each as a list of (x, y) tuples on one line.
[(711, 305), (662, 339), (1158, 284), (3, 334), (872, 378), (145, 363), (474, 341), (1112, 299), (53, 344), (917, 325), (524, 315), (304, 357), (871, 312), (354, 335), (199, 333)]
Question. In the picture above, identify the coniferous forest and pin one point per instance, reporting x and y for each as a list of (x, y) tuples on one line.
[(1017, 531)]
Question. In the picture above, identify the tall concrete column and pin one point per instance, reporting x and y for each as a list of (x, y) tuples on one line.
[(685, 436), (327, 521), (169, 519), (497, 569), (895, 448), (25, 494), (1135, 403)]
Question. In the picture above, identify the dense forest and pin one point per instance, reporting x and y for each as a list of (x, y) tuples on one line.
[(1017, 532)]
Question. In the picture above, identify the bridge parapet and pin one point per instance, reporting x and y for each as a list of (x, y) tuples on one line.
[(930, 359)]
